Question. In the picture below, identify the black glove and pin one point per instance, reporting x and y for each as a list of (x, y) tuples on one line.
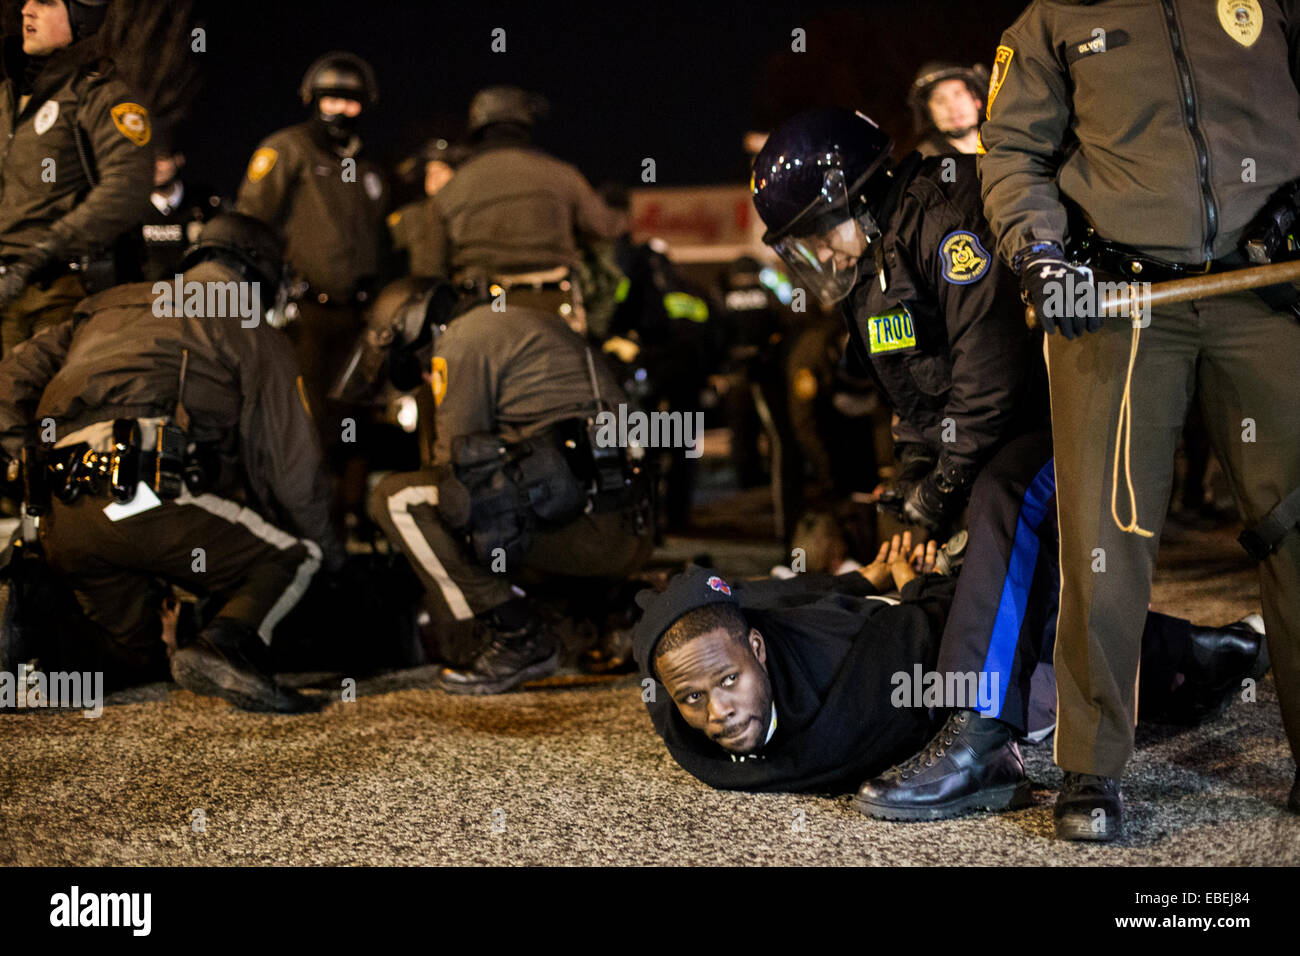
[(1051, 285), (19, 273), (915, 461), (934, 501)]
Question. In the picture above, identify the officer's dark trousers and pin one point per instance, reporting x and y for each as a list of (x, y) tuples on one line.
[(405, 505), (206, 544), (1002, 624), (1244, 358)]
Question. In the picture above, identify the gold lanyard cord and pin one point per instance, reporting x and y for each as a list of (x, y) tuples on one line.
[(1124, 428)]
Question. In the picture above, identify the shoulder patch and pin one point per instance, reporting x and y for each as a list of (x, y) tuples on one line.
[(891, 331), (438, 380), (132, 121), (394, 218), (1242, 20), (262, 162), (1001, 63), (374, 186), (964, 259)]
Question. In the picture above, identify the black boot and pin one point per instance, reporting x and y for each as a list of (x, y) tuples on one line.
[(1089, 807), (511, 657), (224, 661), (1219, 659), (973, 763)]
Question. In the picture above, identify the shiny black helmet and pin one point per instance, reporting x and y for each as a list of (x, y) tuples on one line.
[(505, 104), (340, 74), (245, 244), (816, 184), (86, 17)]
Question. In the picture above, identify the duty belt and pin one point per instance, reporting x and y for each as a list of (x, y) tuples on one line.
[(1116, 259), (113, 458)]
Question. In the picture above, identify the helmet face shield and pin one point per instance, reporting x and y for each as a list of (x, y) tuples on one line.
[(828, 253)]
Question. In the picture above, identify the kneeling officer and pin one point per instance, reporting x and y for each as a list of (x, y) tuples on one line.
[(147, 416), (518, 485)]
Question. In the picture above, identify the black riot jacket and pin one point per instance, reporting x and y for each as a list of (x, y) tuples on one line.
[(946, 338)]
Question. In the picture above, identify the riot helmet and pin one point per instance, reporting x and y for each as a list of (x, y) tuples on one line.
[(251, 248), (816, 183)]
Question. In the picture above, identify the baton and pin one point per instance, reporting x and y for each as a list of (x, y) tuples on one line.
[(1196, 287)]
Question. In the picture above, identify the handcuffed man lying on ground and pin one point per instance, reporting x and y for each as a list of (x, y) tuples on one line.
[(805, 684)]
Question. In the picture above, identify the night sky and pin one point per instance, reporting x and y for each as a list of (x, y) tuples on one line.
[(679, 82)]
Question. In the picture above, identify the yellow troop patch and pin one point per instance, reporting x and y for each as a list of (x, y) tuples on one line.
[(262, 162), (964, 259), (891, 331), (302, 395), (132, 121), (438, 380), (394, 218), (1241, 20), (1001, 63)]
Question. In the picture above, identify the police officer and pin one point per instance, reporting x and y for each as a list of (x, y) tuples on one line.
[(176, 214), (76, 169), (311, 183), (414, 227), (514, 215), (520, 486), (937, 320), (1172, 130), (159, 406), (947, 103)]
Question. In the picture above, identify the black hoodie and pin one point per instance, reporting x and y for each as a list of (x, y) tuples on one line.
[(832, 651)]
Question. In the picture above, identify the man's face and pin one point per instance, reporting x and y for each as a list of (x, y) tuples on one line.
[(843, 245), (436, 175), (336, 105), (165, 169), (721, 688), (952, 107), (45, 27)]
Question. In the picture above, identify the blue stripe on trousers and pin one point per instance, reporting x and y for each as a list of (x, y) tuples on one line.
[(1010, 618)]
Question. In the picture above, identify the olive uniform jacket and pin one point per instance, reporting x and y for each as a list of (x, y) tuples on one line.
[(329, 208), (44, 189), (515, 209), (117, 358), (1170, 123)]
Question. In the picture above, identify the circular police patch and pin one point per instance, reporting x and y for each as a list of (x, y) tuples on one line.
[(46, 116), (374, 188), (964, 259)]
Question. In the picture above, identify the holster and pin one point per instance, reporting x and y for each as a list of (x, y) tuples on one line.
[(497, 495)]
